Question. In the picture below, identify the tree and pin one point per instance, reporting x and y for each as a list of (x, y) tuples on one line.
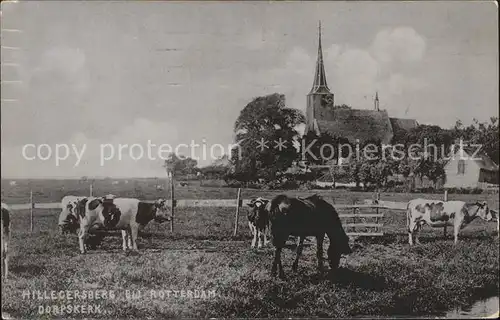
[(342, 106), (180, 166), (354, 171), (265, 131), (323, 149), (484, 133), (219, 169)]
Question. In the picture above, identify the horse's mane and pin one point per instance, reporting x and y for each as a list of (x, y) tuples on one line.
[(277, 200)]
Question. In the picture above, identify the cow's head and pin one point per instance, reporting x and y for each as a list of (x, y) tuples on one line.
[(71, 206), (258, 206), (484, 212), (80, 206), (162, 211)]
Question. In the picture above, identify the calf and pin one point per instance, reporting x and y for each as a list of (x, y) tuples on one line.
[(68, 220), (5, 238), (437, 213), (126, 214), (258, 221)]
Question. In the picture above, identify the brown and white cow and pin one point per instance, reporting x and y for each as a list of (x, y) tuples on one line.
[(68, 219), (126, 214), (258, 221), (5, 238), (437, 213)]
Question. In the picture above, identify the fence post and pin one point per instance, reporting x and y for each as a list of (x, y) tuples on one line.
[(172, 204), (90, 189), (354, 213), (31, 210), (378, 200), (237, 214), (445, 199)]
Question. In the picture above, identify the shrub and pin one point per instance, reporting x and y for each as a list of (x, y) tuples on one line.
[(476, 191), (464, 190), (234, 184), (453, 190), (281, 185), (356, 189)]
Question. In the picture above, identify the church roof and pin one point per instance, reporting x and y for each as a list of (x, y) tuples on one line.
[(319, 83), (403, 124), (358, 124), (353, 124)]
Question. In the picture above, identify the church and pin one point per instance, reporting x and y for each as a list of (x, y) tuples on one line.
[(356, 125)]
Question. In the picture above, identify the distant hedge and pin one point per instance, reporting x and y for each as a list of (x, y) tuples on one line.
[(310, 185)]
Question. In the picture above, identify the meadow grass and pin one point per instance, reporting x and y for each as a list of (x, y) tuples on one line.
[(55, 190), (383, 276)]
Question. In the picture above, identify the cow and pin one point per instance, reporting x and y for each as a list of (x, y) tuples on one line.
[(258, 221), (68, 220), (302, 217), (437, 213), (125, 214), (5, 238)]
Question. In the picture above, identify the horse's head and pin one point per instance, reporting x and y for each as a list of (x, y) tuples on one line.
[(280, 205)]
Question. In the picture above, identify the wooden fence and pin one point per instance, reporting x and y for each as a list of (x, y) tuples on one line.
[(355, 220)]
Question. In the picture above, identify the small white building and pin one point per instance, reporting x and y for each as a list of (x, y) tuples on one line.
[(465, 171)]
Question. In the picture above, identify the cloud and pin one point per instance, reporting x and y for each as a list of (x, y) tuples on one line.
[(111, 107), (398, 84), (352, 73), (102, 157), (399, 44)]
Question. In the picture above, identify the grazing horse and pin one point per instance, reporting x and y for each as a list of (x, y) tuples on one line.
[(5, 238), (302, 217), (437, 213)]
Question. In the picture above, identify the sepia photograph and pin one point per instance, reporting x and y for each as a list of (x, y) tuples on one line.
[(249, 159)]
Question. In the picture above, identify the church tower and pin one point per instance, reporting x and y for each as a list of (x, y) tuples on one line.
[(319, 99)]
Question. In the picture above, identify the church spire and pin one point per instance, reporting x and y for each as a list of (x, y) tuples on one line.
[(319, 83)]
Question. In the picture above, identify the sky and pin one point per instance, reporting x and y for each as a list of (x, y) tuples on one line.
[(95, 75)]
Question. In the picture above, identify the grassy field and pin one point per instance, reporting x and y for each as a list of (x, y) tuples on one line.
[(383, 276)]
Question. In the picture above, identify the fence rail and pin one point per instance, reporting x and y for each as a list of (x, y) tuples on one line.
[(353, 218), (222, 203), (374, 228)]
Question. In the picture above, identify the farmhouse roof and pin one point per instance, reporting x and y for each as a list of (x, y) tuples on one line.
[(481, 159)]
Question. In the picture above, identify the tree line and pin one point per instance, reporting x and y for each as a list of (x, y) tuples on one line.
[(271, 149)]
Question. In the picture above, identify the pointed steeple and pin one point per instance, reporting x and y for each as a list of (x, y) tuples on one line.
[(376, 102), (319, 83)]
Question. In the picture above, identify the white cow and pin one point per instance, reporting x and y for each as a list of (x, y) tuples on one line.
[(68, 219), (437, 213), (5, 238), (126, 214)]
